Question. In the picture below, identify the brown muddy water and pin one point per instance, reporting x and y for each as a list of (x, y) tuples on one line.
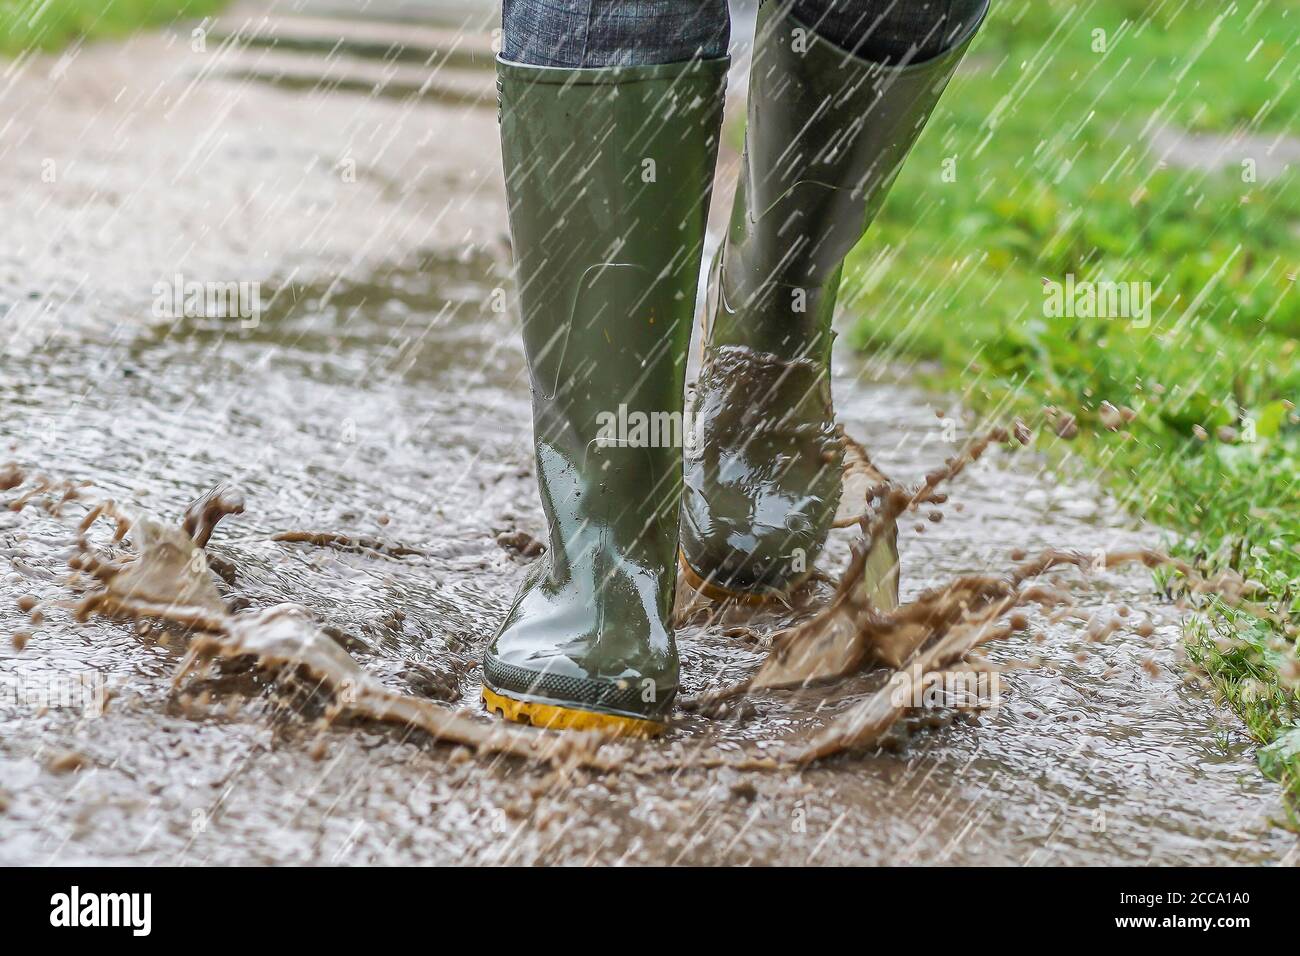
[(388, 411)]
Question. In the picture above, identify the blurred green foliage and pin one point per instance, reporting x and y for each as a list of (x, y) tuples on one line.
[(44, 25), (1122, 141)]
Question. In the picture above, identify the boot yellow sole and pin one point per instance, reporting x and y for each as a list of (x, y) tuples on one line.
[(716, 592), (555, 717)]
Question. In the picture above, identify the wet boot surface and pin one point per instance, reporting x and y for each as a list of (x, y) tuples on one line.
[(826, 133)]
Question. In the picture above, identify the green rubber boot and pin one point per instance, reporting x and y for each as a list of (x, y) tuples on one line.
[(608, 177), (827, 133)]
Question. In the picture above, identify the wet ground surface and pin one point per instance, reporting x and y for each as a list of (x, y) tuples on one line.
[(382, 393)]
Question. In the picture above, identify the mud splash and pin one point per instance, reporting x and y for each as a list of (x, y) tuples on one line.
[(862, 626), (165, 577)]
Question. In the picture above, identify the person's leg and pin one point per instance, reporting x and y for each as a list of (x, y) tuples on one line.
[(604, 33), (891, 31), (608, 148), (828, 129)]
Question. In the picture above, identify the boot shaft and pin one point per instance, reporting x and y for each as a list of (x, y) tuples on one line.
[(826, 135), (608, 178)]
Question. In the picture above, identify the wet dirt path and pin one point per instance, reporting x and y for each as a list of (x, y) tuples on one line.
[(392, 403)]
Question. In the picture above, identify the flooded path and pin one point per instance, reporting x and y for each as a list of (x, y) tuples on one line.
[(381, 393)]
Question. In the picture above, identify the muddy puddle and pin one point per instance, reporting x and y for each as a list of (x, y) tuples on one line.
[(384, 422), (419, 466)]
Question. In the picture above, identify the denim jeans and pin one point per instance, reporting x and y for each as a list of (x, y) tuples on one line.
[(598, 33)]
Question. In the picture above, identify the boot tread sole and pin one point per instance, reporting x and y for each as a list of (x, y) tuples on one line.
[(557, 717)]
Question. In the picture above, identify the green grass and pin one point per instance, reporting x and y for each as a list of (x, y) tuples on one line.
[(1055, 175), (44, 25)]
